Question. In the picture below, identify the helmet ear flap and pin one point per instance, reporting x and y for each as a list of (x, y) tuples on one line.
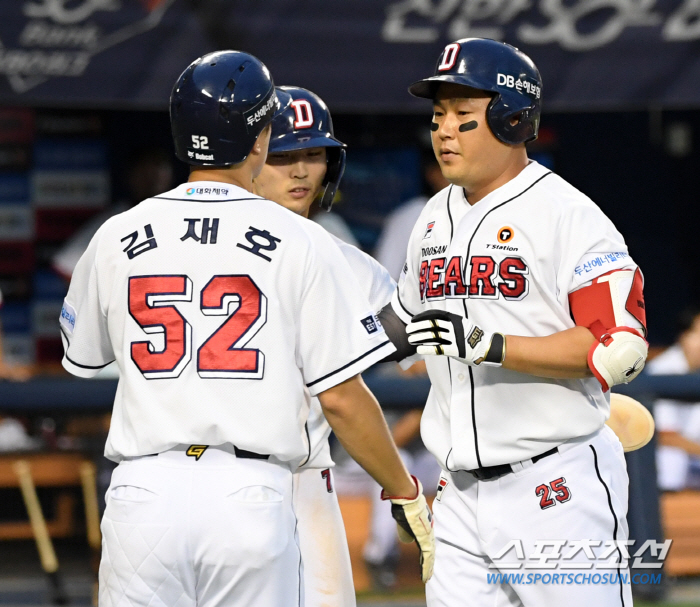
[(500, 122), (334, 173)]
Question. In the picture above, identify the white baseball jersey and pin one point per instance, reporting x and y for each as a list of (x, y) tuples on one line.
[(508, 263), (220, 308), (377, 286)]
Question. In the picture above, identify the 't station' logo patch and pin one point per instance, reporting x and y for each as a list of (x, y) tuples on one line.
[(505, 234)]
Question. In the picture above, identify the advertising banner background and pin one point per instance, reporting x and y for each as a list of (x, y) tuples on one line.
[(360, 55)]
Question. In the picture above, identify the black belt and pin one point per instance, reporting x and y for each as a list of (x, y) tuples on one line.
[(486, 473), (242, 453)]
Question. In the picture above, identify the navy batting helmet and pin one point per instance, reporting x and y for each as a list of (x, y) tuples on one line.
[(304, 121), (497, 67), (219, 106)]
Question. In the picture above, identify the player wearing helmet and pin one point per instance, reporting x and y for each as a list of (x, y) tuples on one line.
[(523, 298), (225, 316), (304, 166), (302, 132)]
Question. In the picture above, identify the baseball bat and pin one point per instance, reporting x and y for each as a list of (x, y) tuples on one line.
[(92, 512), (88, 480), (47, 555)]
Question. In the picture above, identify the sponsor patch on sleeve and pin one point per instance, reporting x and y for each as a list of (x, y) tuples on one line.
[(593, 265), (372, 325), (67, 318)]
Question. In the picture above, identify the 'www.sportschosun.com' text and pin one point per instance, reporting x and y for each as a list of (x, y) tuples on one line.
[(572, 578)]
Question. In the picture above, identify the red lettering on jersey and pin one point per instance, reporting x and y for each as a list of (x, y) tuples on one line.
[(437, 269), (423, 278), (454, 281), (482, 275), (513, 271), (148, 299), (449, 57), (218, 356), (303, 114)]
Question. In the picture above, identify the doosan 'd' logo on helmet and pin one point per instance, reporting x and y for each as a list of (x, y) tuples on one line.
[(449, 57), (303, 114)]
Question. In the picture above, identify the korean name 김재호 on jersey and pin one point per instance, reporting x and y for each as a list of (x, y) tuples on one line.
[(508, 263), (219, 307)]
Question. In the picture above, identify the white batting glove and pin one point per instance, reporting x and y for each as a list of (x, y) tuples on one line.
[(415, 523), (618, 357), (440, 333)]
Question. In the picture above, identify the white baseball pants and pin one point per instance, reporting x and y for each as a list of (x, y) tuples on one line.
[(579, 493), (182, 531), (327, 572)]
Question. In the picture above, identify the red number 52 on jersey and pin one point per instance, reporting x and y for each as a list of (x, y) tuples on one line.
[(222, 355)]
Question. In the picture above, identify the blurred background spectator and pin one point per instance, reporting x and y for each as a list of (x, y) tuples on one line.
[(393, 241), (678, 423)]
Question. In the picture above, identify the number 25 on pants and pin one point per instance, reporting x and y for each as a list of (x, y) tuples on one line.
[(222, 355), (557, 487)]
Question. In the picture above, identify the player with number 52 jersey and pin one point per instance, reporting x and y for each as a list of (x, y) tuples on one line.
[(225, 314), (188, 297)]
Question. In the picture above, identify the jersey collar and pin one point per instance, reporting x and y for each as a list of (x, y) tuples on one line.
[(208, 191), (521, 182)]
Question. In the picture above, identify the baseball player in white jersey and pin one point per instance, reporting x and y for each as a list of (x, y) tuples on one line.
[(224, 313), (305, 163), (524, 300)]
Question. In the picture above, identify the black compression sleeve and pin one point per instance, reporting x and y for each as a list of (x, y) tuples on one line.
[(396, 332)]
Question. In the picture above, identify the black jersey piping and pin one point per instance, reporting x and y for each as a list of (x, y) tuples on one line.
[(296, 541), (449, 365), (532, 185), (447, 459), (612, 511), (352, 362), (449, 213), (476, 436), (308, 440), (398, 297), (72, 362), (464, 304)]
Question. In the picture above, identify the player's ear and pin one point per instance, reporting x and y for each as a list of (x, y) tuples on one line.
[(262, 142)]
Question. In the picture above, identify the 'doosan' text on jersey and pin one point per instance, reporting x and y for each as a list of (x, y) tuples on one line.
[(508, 263)]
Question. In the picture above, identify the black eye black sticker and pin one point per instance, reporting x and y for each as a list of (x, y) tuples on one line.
[(468, 126)]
